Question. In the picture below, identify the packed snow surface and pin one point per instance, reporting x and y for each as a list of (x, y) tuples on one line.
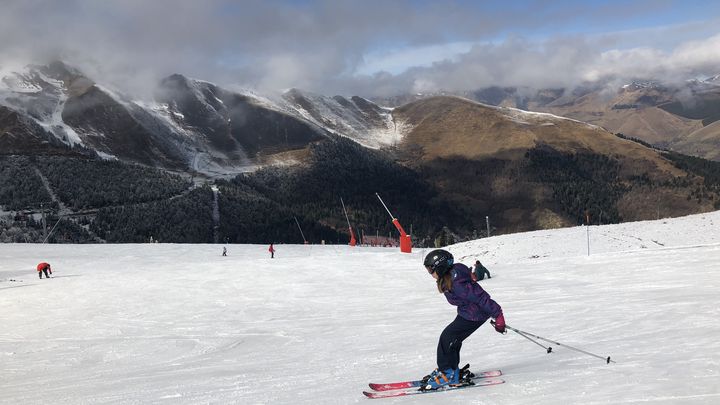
[(181, 324)]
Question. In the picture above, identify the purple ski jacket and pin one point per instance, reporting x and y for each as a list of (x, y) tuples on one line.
[(474, 303)]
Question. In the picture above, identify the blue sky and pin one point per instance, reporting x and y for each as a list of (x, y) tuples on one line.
[(635, 24), (368, 47)]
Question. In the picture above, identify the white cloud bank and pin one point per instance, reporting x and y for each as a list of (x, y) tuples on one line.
[(369, 48)]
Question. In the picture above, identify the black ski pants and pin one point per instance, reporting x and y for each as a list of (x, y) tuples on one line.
[(451, 338), (45, 270)]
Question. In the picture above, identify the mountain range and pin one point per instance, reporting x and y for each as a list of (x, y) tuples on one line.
[(196, 125), (681, 117), (190, 125), (561, 159)]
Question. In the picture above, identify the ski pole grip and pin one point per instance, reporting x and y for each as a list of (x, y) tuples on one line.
[(492, 322)]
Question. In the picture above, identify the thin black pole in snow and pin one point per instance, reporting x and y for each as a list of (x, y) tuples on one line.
[(587, 232)]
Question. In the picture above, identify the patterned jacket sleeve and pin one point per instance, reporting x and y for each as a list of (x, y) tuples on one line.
[(480, 297)]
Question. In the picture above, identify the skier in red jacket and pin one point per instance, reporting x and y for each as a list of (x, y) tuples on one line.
[(272, 251), (44, 268)]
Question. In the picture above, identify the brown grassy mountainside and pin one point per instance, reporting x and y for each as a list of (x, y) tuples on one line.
[(478, 156), (649, 123), (451, 126), (704, 142), (661, 116)]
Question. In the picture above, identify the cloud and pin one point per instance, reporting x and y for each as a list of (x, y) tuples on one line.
[(689, 60), (341, 47), (564, 62)]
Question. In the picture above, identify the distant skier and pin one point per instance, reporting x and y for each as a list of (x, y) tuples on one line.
[(479, 271), (474, 308), (44, 268), (224, 251), (272, 251)]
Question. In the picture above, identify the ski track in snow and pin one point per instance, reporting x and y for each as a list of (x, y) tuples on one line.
[(181, 324)]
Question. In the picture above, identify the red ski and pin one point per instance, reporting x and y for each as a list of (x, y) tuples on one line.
[(481, 382), (418, 383)]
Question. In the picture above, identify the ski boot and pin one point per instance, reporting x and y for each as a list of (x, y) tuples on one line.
[(439, 379)]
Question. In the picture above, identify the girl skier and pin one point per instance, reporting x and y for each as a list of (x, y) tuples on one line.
[(474, 308)]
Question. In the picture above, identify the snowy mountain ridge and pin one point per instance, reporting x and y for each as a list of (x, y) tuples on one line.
[(541, 118), (370, 125), (191, 123)]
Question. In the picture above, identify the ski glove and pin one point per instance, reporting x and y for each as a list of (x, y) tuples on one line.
[(500, 323)]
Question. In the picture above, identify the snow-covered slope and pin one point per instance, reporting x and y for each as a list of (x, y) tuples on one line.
[(536, 118), (39, 92), (181, 324), (79, 112), (356, 118)]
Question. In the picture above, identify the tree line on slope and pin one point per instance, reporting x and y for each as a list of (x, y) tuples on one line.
[(139, 204), (186, 219), (708, 169), (82, 183), (341, 168), (20, 186), (89, 184), (583, 184)]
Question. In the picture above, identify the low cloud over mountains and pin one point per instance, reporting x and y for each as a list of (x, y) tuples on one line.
[(323, 46)]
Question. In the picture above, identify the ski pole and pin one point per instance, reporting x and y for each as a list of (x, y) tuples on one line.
[(607, 359), (547, 349)]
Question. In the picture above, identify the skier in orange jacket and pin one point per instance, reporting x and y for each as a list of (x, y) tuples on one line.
[(44, 268)]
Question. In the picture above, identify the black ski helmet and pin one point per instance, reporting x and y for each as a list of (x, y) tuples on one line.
[(439, 261)]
